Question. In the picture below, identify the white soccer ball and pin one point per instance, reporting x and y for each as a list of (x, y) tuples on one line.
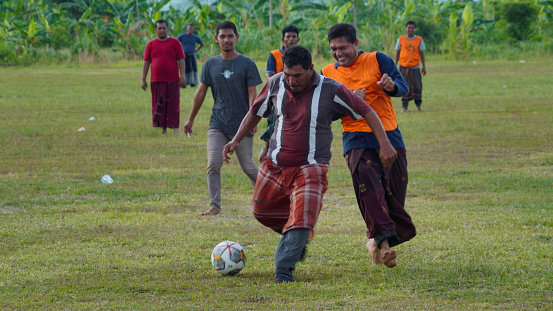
[(228, 258)]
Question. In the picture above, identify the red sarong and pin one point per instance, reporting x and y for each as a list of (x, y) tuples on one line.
[(165, 104), (289, 197)]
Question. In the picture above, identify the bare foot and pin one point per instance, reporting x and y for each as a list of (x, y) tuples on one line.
[(177, 132), (375, 252), (211, 211), (164, 130), (389, 258)]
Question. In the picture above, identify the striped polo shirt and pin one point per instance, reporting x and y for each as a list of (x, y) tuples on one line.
[(302, 131)]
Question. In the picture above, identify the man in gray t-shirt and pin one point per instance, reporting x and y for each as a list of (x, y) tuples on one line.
[(233, 79)]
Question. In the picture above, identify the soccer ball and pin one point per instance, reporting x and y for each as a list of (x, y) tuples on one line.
[(228, 258)]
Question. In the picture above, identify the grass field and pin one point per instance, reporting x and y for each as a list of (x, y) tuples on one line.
[(480, 193)]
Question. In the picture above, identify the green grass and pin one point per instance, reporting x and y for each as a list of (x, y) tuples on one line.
[(480, 193)]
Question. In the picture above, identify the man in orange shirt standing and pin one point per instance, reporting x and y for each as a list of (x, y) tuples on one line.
[(410, 53), (380, 190)]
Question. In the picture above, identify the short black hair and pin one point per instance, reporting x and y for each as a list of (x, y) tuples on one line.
[(162, 21), (290, 28), (226, 25), (410, 23), (191, 24), (297, 55), (343, 30)]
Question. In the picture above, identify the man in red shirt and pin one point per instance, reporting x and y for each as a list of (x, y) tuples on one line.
[(166, 56)]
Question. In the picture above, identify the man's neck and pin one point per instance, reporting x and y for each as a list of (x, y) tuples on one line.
[(229, 55), (164, 39), (410, 37)]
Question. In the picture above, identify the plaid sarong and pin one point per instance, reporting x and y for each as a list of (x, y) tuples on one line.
[(289, 197), (414, 80)]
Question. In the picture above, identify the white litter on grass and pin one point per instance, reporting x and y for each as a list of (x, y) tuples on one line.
[(106, 179), (474, 62), (91, 118), (522, 61), (503, 86), (81, 129)]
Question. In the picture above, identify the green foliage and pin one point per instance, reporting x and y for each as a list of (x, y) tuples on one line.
[(127, 25), (521, 20)]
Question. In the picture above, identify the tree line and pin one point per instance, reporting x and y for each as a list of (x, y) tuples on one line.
[(31, 29)]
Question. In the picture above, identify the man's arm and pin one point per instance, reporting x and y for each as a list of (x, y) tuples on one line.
[(199, 97), (271, 66), (145, 68), (182, 78), (398, 52), (389, 69), (200, 47), (387, 153), (252, 94), (248, 124), (423, 63)]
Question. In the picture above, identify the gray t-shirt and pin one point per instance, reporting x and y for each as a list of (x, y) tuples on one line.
[(229, 81)]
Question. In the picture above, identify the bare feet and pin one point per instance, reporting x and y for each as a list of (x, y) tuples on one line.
[(177, 132), (375, 252), (388, 255), (211, 211), (389, 258), (385, 255)]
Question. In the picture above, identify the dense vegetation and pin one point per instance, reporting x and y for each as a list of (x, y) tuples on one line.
[(60, 30)]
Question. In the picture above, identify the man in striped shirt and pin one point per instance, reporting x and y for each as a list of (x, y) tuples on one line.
[(292, 178)]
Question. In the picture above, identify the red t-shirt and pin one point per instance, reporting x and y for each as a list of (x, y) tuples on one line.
[(164, 57)]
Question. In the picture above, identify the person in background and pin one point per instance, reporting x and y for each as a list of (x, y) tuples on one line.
[(410, 54), (166, 57), (189, 41), (232, 78)]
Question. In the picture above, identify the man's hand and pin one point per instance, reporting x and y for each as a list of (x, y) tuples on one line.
[(386, 83), (229, 149), (144, 85), (388, 155), (361, 93), (263, 152), (423, 71), (187, 128), (182, 81)]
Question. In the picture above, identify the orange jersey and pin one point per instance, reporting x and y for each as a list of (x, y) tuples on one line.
[(363, 74), (278, 58), (409, 55)]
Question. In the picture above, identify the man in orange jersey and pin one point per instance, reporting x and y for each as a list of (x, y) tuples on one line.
[(290, 37), (410, 53), (380, 190)]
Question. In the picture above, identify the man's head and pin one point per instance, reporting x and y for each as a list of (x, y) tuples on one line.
[(190, 28), (343, 42), (161, 29), (226, 35), (410, 28), (290, 36), (298, 68)]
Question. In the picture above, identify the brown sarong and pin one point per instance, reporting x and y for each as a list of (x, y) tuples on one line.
[(381, 194), (414, 80)]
